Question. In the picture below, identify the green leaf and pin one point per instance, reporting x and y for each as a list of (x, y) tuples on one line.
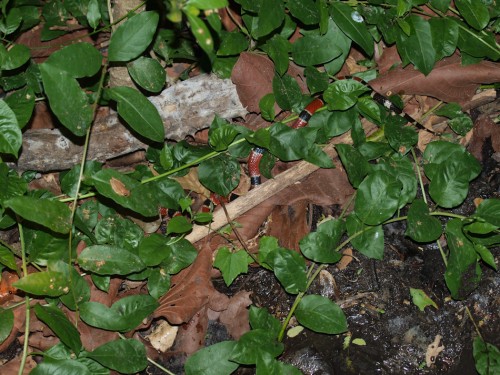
[(441, 5), (208, 4), (475, 13), (10, 133), (486, 357), (289, 268), (461, 124), (112, 229), (355, 164), (486, 255), (123, 315), (286, 91), (423, 55), (277, 49), (138, 112), (93, 14), (377, 198), (220, 174), (401, 138), (266, 106), (369, 109), (52, 366), (253, 345), (320, 314), (147, 73), (444, 34), (352, 24), (178, 224), (421, 299), (78, 60), (314, 49), (22, 103), (45, 247), (212, 360), (109, 260), (221, 134), (489, 210), (49, 213), (232, 44), (15, 57), (46, 283), (158, 282), (316, 81), (182, 254), (291, 144), (153, 249), (421, 226), (319, 246), (268, 365), (270, 17), (78, 286), (260, 318), (463, 273), (6, 323), (476, 44), (133, 36), (343, 94), (60, 325), (368, 240), (232, 264), (342, 41), (67, 100), (306, 11), (127, 356), (7, 258), (200, 32), (450, 185), (334, 123)]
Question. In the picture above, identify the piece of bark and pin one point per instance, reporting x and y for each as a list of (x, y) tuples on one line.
[(185, 108)]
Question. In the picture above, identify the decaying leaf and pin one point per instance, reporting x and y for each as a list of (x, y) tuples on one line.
[(119, 187), (433, 351)]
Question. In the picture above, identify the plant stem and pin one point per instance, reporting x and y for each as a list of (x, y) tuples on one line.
[(419, 174), (443, 255), (27, 299), (473, 322)]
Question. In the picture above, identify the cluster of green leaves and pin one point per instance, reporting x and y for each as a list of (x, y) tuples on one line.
[(71, 79)]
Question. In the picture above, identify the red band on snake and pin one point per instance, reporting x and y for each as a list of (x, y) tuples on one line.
[(257, 153)]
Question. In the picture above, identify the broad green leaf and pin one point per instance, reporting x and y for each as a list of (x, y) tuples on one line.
[(123, 315), (401, 138), (421, 226), (441, 5), (127, 356), (109, 260), (232, 44), (10, 20), (7, 258), (15, 57), (377, 198), (45, 247), (178, 224), (266, 365), (475, 13), (289, 268), (316, 155), (208, 4), (53, 366), (49, 213), (368, 240), (286, 91), (253, 345), (315, 49), (334, 123), (489, 210), (352, 24), (158, 282), (22, 103), (220, 174), (342, 41), (113, 229), (369, 108), (138, 112), (476, 44), (133, 36), (444, 34), (270, 16), (201, 33), (153, 249), (291, 144), (320, 314), (266, 106), (93, 14), (260, 318), (212, 360), (320, 245), (78, 60), (182, 254), (79, 289), (450, 185), (221, 134), (232, 264), (486, 357), (306, 11), (316, 81), (6, 323), (463, 273), (60, 325), (147, 73), (10, 133), (486, 255), (67, 100), (461, 124), (277, 48), (355, 164), (423, 55), (46, 283), (343, 94), (421, 299)]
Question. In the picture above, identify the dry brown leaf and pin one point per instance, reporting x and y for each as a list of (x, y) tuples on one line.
[(119, 187), (449, 81), (345, 260), (235, 316)]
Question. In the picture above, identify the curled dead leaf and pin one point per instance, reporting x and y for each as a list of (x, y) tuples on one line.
[(119, 187)]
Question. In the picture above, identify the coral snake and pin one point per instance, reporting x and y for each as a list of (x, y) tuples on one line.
[(257, 153)]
